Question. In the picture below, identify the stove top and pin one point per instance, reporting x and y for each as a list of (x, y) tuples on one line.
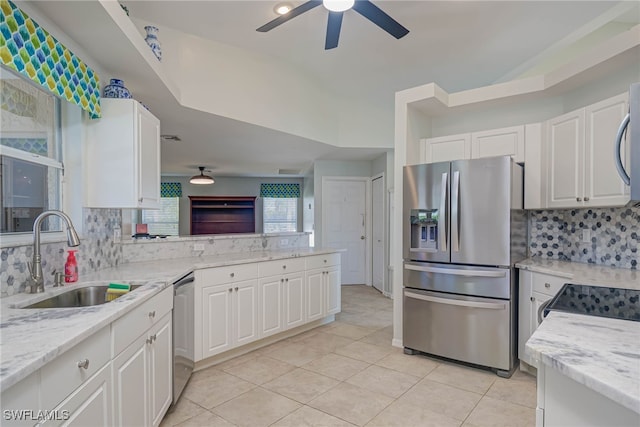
[(602, 301)]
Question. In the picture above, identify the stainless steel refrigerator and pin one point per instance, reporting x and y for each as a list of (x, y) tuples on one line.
[(464, 229)]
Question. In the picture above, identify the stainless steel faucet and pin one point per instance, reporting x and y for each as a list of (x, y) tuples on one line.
[(35, 267)]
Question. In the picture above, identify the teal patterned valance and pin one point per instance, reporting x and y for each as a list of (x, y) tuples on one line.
[(280, 190), (170, 189), (31, 51)]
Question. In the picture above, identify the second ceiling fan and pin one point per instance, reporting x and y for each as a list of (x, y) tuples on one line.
[(336, 10)]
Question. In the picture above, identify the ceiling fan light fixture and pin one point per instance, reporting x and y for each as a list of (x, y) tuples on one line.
[(338, 5), (282, 8), (202, 178)]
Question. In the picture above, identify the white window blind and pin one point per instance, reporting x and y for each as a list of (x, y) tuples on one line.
[(164, 220), (279, 214)]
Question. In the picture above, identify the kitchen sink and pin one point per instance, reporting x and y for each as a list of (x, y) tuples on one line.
[(79, 297)]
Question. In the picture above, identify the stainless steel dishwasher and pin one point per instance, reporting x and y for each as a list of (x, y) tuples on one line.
[(183, 334)]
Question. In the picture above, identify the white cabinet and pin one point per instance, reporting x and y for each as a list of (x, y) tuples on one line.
[(123, 157), (226, 308), (535, 290), (294, 301), (142, 372), (445, 148), (323, 286), (579, 148), (499, 142)]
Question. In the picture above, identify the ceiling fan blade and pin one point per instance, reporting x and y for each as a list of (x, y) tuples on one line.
[(304, 7), (334, 23), (374, 14)]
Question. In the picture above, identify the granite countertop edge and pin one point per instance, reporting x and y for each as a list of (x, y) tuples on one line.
[(30, 338), (600, 353)]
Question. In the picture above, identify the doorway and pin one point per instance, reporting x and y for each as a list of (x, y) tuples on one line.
[(344, 218), (378, 262)]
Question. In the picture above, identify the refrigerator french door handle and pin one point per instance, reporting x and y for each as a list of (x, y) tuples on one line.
[(442, 216), (454, 272), (618, 155), (448, 301), (455, 214)]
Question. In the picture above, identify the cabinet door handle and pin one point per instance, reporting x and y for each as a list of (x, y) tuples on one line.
[(282, 280), (232, 274), (286, 280), (532, 299), (140, 199), (578, 199), (236, 289), (151, 339), (84, 364), (547, 285), (586, 199), (325, 261), (230, 289), (284, 267), (152, 314)]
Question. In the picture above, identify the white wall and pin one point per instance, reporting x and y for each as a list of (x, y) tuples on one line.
[(254, 88), (228, 186), (308, 206)]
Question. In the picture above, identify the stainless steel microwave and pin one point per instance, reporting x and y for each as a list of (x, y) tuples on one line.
[(631, 125)]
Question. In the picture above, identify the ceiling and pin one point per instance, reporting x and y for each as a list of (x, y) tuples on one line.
[(457, 44)]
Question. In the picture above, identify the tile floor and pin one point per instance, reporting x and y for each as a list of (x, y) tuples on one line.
[(347, 373)]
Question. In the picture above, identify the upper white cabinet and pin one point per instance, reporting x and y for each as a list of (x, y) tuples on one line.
[(579, 148), (509, 141), (445, 148), (123, 157)]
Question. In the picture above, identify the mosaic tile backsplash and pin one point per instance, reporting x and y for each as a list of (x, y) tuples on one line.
[(98, 250), (614, 235)]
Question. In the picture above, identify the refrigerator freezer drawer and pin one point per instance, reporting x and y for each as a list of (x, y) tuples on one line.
[(468, 329), (478, 281)]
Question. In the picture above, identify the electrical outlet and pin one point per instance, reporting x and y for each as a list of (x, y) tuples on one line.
[(586, 235), (198, 247), (117, 234)]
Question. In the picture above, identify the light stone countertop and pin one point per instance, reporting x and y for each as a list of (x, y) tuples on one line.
[(602, 354), (581, 273), (30, 338)]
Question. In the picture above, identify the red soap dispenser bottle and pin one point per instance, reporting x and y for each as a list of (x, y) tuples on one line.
[(71, 268)]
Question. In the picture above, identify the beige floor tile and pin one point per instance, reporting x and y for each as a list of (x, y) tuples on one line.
[(362, 351), (304, 335), (442, 398), (351, 403), (301, 385), (206, 419), (261, 369), (350, 331), (215, 388), (237, 361), (463, 377), (368, 320), (417, 365), (402, 414), (517, 389), (297, 354), (382, 380), (494, 412), (336, 366), (184, 410), (325, 341), (256, 408), (309, 417), (381, 337)]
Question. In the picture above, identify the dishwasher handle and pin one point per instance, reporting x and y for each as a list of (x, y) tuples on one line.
[(189, 278)]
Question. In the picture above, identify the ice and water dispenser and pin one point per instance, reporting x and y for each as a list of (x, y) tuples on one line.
[(424, 230)]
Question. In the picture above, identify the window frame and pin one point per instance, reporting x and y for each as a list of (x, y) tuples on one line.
[(177, 222), (295, 222)]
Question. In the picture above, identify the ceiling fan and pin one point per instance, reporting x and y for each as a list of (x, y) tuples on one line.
[(336, 9)]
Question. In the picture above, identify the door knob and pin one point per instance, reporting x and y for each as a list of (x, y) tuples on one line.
[(361, 237)]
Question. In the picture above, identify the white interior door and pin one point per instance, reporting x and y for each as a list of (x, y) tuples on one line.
[(377, 233), (344, 224)]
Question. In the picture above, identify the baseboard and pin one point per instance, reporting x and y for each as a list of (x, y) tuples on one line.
[(397, 343)]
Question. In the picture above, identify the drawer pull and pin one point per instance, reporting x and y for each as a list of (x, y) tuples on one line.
[(547, 285), (284, 267), (152, 314), (236, 289), (286, 280), (532, 299), (586, 199), (230, 289), (232, 274), (151, 339), (84, 364), (578, 199), (325, 261)]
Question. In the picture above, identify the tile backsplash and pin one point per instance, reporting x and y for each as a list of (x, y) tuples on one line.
[(98, 250), (613, 235)]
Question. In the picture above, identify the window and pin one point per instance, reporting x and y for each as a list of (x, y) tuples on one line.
[(30, 155), (164, 221), (279, 214)]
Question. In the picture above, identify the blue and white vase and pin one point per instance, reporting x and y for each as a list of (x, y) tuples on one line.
[(116, 89), (152, 41)]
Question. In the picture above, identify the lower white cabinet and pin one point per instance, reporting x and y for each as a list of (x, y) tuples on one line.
[(535, 290), (243, 303), (143, 377)]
